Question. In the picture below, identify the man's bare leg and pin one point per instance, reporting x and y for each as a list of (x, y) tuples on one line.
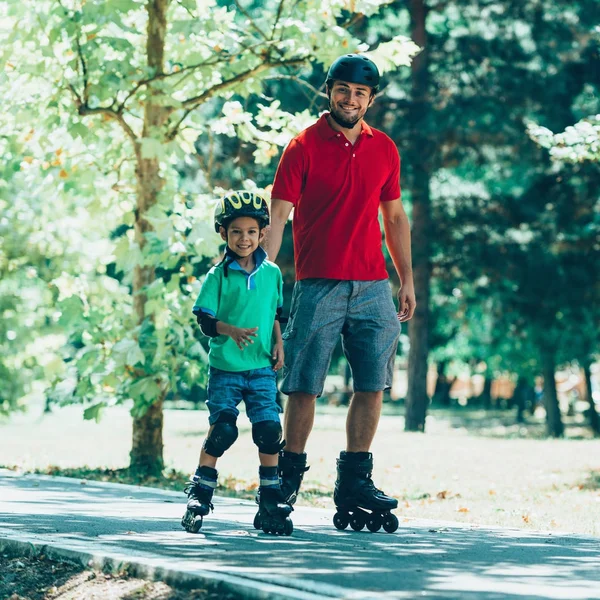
[(354, 488), (362, 420), (298, 421)]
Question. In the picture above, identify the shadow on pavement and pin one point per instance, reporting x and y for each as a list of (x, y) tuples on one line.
[(431, 560)]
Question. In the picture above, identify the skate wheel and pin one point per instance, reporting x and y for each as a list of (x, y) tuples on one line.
[(288, 527), (357, 522), (257, 521), (390, 523), (340, 520), (196, 525), (374, 523)]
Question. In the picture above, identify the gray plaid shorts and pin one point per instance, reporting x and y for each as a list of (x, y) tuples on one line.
[(362, 312)]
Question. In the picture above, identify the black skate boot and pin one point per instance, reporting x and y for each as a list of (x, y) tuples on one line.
[(356, 498), (292, 467), (200, 490), (273, 512)]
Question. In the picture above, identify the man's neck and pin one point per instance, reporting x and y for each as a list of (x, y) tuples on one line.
[(350, 134)]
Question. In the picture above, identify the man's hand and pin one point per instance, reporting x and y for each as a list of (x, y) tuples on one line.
[(277, 355), (406, 301), (242, 336)]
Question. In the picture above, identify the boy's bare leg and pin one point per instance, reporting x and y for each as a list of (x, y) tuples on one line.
[(268, 460), (362, 420), (298, 421), (206, 460), (200, 491)]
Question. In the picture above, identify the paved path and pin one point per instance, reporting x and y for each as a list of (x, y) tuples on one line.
[(118, 525)]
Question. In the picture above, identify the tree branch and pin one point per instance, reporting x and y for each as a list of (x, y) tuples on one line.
[(277, 17), (161, 76), (300, 81), (191, 103), (84, 110), (254, 25)]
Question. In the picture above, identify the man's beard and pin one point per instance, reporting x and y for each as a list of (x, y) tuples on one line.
[(343, 122)]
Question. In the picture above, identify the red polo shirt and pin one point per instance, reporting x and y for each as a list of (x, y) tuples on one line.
[(336, 189)]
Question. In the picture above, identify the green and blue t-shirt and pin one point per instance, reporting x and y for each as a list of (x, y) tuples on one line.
[(231, 294)]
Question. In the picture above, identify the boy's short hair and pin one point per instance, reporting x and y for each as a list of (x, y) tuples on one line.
[(227, 222)]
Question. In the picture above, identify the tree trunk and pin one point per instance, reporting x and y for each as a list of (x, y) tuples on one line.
[(554, 424), (486, 394), (146, 456), (443, 385), (520, 397), (417, 400), (594, 421)]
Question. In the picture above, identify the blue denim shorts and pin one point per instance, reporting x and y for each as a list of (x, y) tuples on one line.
[(257, 388), (362, 312)]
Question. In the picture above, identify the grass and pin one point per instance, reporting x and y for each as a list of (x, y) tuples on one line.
[(471, 466)]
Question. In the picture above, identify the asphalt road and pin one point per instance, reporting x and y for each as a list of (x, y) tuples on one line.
[(126, 525)]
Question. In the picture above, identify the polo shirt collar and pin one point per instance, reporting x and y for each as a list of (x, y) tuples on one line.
[(259, 257), (326, 131)]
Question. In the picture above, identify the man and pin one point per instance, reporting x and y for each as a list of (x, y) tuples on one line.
[(338, 174)]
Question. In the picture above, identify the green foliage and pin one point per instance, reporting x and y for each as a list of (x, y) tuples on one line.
[(111, 123), (512, 234), (578, 143)]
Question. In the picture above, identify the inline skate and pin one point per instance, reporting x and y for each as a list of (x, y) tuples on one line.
[(357, 500), (200, 491), (273, 514)]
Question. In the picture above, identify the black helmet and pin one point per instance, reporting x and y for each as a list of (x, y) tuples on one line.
[(354, 68), (241, 204)]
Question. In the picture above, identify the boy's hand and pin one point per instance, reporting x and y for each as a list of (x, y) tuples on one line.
[(277, 356), (242, 336)]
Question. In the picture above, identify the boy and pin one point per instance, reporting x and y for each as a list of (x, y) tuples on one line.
[(238, 308)]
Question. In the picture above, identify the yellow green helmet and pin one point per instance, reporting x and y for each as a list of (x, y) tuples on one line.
[(241, 204)]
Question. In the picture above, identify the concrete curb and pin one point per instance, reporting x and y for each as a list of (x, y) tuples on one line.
[(145, 569)]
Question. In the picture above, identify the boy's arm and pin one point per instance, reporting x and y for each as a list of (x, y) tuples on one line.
[(242, 336), (212, 327)]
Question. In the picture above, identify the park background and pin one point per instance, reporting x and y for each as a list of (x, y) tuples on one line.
[(123, 121)]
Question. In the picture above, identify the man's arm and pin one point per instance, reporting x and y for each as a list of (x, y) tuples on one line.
[(280, 211), (397, 240)]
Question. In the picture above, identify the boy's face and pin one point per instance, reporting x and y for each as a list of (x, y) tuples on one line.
[(243, 235)]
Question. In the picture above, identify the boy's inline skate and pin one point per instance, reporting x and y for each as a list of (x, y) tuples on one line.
[(357, 500), (292, 467), (273, 514), (200, 491)]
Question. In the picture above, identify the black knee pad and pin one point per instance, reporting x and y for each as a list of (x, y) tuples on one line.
[(221, 438), (267, 436)]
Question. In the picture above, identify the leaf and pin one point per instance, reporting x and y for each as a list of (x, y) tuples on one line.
[(130, 352), (463, 509), (146, 389), (93, 412)]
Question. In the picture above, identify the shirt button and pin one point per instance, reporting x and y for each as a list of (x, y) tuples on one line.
[(338, 135), (354, 156), (346, 143)]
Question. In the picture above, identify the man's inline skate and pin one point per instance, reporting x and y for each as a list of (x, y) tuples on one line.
[(357, 500), (273, 514), (200, 491)]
